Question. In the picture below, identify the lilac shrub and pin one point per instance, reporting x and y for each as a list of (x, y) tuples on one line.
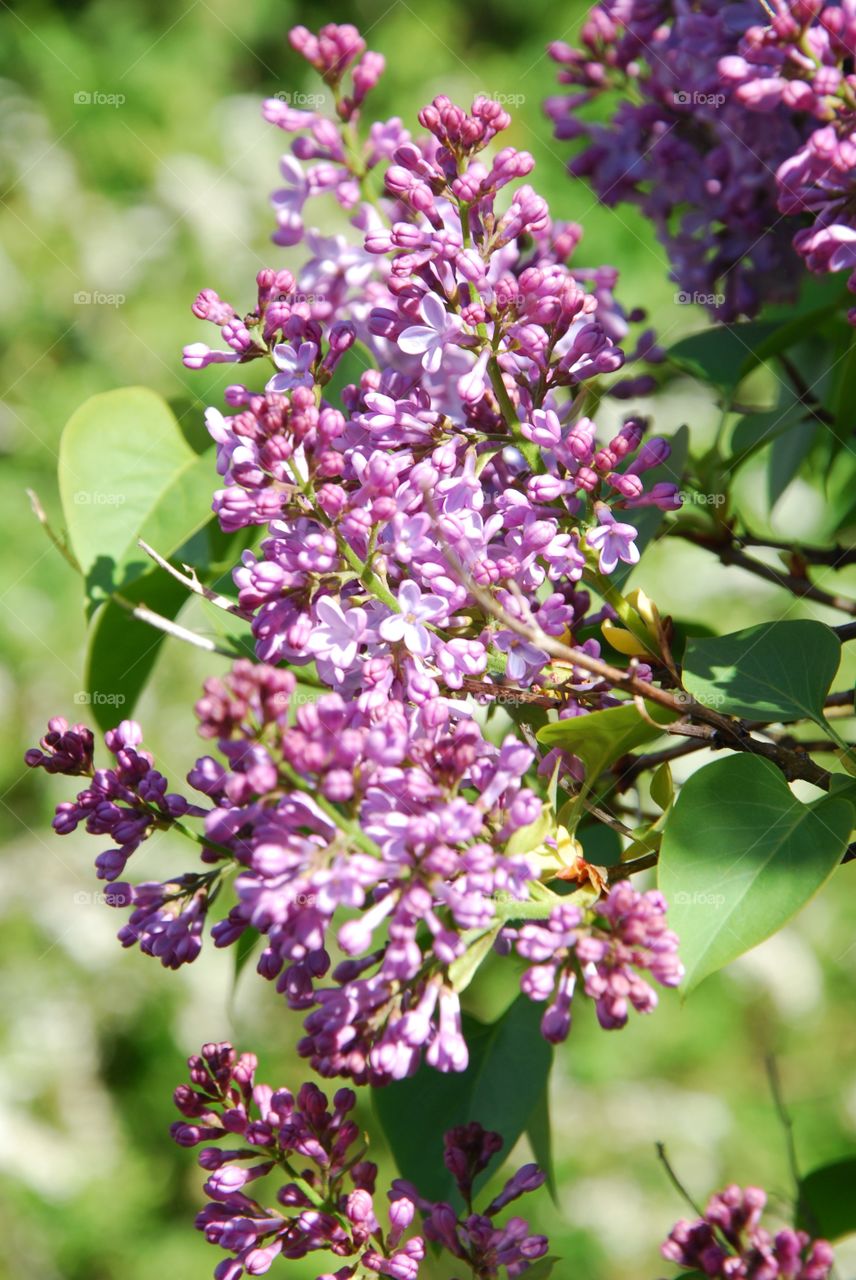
[(425, 507)]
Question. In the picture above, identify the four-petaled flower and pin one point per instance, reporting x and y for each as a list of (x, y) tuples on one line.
[(613, 540), (295, 365), (429, 339), (339, 634), (408, 625)]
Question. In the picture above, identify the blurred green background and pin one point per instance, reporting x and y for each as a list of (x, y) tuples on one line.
[(138, 205)]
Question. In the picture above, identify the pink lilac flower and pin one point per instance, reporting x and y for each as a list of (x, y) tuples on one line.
[(729, 1242), (295, 366), (627, 935)]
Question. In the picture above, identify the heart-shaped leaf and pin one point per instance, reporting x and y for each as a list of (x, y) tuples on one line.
[(126, 471), (740, 856)]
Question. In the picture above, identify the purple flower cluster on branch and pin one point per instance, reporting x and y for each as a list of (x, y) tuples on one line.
[(627, 937), (411, 525), (402, 814), (685, 143), (327, 1202), (463, 455), (803, 62), (730, 1243)]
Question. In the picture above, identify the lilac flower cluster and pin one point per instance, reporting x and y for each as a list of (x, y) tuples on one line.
[(423, 530), (628, 937), (730, 1243), (462, 461), (682, 146), (802, 62), (400, 813), (475, 1238), (328, 1203)]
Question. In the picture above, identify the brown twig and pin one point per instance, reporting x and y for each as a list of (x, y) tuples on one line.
[(729, 553)]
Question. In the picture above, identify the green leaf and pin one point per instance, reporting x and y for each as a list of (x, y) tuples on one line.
[(756, 430), (740, 856), (787, 456), (602, 737), (826, 1204), (844, 397), (539, 1133), (723, 354), (662, 787), (773, 671), (126, 471), (122, 651), (542, 1269), (843, 787), (243, 952), (501, 1087)]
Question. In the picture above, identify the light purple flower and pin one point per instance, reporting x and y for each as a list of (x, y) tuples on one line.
[(338, 635), (613, 540), (294, 365), (428, 340), (409, 624)]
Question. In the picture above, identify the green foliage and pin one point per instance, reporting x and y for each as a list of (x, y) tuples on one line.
[(740, 856), (825, 1204), (602, 737), (773, 671), (127, 472)]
